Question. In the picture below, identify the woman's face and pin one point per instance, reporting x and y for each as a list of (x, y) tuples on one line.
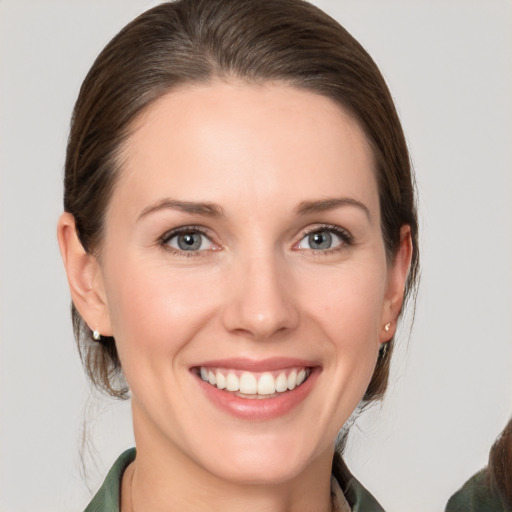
[(243, 246)]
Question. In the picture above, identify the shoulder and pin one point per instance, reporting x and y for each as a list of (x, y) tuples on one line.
[(357, 496), (107, 498), (476, 495)]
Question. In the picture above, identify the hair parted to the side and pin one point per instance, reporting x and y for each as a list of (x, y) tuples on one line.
[(199, 41)]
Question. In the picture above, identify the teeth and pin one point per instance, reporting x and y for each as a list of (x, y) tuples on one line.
[(232, 382), (249, 383), (281, 383), (292, 380), (266, 385), (221, 380)]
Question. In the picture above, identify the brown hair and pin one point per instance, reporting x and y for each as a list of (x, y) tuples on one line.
[(500, 465), (197, 41)]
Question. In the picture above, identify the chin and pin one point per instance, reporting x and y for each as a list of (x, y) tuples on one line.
[(263, 460)]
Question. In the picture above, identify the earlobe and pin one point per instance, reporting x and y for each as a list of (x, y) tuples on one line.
[(84, 277), (397, 278)]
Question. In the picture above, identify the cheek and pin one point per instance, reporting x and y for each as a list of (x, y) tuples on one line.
[(349, 313), (156, 310), (348, 303)]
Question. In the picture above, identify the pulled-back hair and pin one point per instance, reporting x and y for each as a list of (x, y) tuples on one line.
[(198, 41)]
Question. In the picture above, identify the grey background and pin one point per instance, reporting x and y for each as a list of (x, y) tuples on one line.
[(449, 66)]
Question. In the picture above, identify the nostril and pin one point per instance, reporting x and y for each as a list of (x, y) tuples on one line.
[(259, 306)]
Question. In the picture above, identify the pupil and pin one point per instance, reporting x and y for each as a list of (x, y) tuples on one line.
[(321, 240), (189, 241)]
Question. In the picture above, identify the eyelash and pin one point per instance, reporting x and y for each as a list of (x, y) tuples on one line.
[(345, 237), (169, 235)]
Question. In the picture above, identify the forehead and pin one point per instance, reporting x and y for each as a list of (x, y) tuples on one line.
[(227, 141)]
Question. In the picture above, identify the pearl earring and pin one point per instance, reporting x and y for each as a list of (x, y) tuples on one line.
[(96, 335), (387, 327)]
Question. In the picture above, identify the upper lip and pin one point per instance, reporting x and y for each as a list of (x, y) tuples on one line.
[(257, 365)]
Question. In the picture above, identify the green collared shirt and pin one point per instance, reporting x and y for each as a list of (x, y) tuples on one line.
[(477, 495), (357, 497)]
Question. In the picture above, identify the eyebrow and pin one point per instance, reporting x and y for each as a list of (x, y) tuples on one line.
[(309, 207), (214, 210), (206, 209)]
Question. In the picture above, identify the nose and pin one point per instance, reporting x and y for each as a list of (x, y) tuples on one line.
[(259, 299)]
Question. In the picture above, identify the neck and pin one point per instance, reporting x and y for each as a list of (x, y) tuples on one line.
[(148, 496), (163, 478)]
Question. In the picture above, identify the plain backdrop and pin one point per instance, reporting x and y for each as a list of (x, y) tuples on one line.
[(449, 66)]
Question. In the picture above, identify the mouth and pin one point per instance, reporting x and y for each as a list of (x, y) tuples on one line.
[(257, 390), (254, 385)]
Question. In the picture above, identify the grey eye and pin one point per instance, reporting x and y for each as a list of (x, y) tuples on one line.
[(320, 240), (190, 241)]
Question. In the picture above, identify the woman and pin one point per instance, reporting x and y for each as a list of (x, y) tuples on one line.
[(490, 490), (239, 236)]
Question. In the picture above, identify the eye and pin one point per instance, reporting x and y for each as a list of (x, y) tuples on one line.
[(190, 240), (324, 239)]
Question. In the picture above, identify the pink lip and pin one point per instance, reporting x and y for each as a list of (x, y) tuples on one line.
[(255, 408), (254, 365)]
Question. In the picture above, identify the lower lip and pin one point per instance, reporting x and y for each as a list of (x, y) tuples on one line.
[(259, 408)]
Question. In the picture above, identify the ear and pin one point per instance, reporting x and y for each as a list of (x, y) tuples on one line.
[(84, 277), (395, 286)]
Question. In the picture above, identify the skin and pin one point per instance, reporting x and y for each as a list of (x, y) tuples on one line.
[(256, 289)]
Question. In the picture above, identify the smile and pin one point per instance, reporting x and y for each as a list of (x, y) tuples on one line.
[(246, 384), (257, 390)]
